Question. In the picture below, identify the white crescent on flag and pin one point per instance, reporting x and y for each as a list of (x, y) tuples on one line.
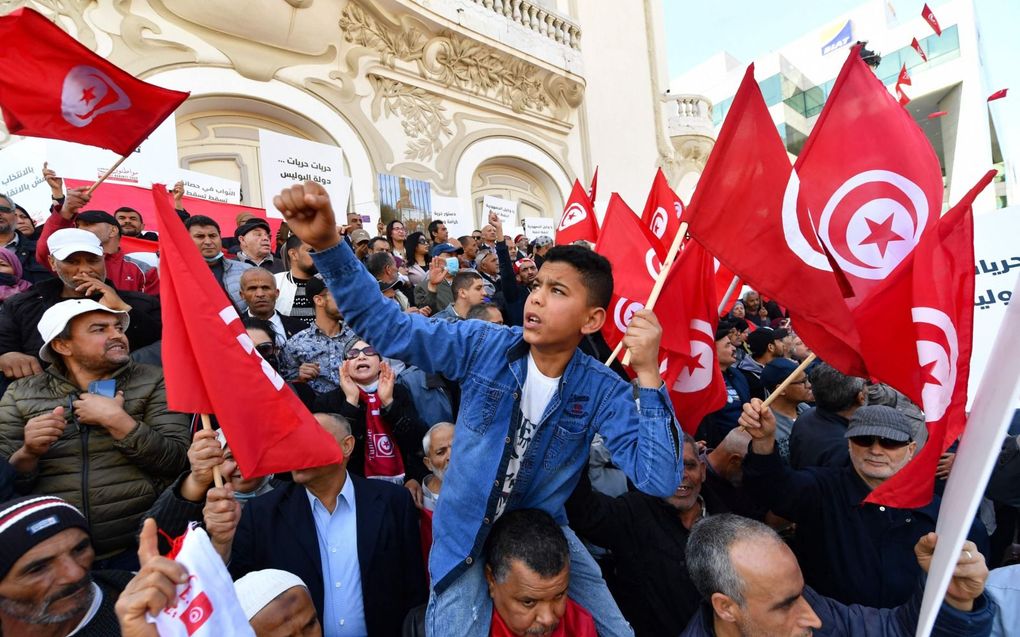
[(697, 372), (624, 311), (87, 93), (574, 214), (938, 362)]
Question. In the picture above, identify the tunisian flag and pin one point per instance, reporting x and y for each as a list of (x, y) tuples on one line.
[(692, 375), (633, 250), (53, 86), (929, 17), (748, 184), (211, 366), (663, 210), (578, 220), (916, 336)]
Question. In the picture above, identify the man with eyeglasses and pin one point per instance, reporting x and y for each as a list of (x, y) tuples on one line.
[(854, 552), (789, 403), (18, 243)]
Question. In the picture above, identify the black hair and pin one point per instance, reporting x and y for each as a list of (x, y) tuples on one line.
[(202, 220), (530, 536), (293, 243), (433, 226), (463, 280), (595, 270), (741, 324), (253, 323), (372, 241), (834, 391), (127, 209), (411, 247), (376, 262)]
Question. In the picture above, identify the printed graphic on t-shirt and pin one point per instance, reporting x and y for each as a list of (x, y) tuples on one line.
[(525, 434)]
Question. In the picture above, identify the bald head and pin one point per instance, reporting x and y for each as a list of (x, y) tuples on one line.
[(252, 275)]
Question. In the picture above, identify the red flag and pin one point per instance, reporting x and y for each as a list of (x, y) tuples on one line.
[(578, 220), (695, 383), (917, 47), (904, 78), (134, 244), (901, 96), (633, 250), (937, 114), (929, 17), (727, 287), (916, 336), (663, 210), (211, 365), (593, 187), (901, 81), (749, 186), (53, 86), (998, 95)]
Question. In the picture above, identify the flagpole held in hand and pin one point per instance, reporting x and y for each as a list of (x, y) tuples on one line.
[(109, 172), (789, 379), (660, 281), (216, 475), (729, 292)]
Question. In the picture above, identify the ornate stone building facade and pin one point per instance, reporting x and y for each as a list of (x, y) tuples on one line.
[(512, 98)]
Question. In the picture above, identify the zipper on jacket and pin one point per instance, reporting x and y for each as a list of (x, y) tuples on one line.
[(84, 471)]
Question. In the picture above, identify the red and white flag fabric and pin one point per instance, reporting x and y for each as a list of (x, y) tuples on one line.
[(727, 287), (691, 371), (916, 334), (663, 210), (53, 86), (929, 17), (593, 187), (914, 44), (901, 81), (207, 604), (998, 95), (749, 183), (212, 367), (937, 114), (633, 250), (578, 221)]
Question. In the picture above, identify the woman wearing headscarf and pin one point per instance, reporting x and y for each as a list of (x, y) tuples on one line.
[(11, 282)]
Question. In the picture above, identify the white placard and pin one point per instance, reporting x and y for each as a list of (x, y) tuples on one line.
[(535, 227), (21, 165), (997, 268), (286, 160), (155, 161), (994, 404), (210, 187), (507, 210), (449, 211)]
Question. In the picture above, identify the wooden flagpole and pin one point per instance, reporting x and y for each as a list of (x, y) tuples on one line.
[(789, 379), (729, 292), (109, 172), (216, 475), (660, 281)]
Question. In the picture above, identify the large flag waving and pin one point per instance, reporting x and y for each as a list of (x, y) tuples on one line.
[(663, 210), (916, 336), (578, 220), (211, 365), (747, 184), (53, 86), (695, 383)]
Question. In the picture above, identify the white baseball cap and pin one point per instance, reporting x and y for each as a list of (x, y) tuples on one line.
[(66, 241), (256, 589), (55, 319)]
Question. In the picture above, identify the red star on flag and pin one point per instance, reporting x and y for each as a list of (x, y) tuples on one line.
[(691, 363), (88, 94), (881, 234), (928, 375)]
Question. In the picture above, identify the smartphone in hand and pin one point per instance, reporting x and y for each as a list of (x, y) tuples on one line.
[(106, 387)]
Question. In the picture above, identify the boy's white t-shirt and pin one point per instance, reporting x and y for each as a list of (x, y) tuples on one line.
[(538, 391)]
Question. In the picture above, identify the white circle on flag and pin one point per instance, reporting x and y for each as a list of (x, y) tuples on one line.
[(652, 263), (574, 214), (659, 222), (692, 380), (939, 359), (624, 311), (87, 93)]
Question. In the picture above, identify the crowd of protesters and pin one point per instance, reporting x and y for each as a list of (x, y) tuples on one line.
[(497, 477)]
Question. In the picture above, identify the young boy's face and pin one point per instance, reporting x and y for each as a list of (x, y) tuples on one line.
[(557, 311)]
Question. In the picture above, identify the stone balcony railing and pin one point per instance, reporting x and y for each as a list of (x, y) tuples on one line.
[(693, 115), (538, 19)]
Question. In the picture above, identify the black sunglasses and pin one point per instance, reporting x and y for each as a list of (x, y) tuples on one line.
[(885, 443), (266, 349), (354, 352), (5, 209)]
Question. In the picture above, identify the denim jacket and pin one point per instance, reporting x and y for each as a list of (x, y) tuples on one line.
[(490, 363)]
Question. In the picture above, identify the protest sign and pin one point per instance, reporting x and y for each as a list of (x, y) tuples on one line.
[(210, 187), (21, 179), (286, 160), (996, 268), (535, 227), (507, 210), (994, 404), (154, 161), (450, 212)]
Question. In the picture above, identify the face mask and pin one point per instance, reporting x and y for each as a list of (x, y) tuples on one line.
[(7, 280), (452, 265)]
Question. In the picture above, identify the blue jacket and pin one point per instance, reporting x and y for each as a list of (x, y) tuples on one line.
[(839, 620), (853, 552), (490, 363)]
